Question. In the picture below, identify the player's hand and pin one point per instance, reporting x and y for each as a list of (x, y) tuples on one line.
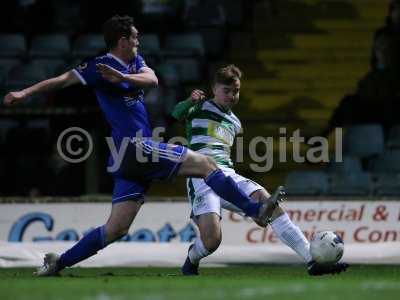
[(197, 96), (14, 97), (110, 73)]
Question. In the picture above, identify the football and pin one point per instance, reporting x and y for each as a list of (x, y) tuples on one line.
[(326, 247)]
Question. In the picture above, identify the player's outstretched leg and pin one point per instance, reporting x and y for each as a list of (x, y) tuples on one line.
[(291, 235), (208, 241), (288, 232), (122, 216), (198, 165), (50, 266), (86, 247), (272, 204)]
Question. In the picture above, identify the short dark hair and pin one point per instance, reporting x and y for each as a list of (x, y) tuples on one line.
[(116, 28), (227, 75)]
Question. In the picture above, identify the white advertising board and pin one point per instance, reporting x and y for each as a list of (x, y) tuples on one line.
[(370, 230)]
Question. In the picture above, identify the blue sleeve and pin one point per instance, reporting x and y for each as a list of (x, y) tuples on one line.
[(87, 73), (140, 63)]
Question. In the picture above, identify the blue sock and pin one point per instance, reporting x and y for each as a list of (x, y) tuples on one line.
[(225, 187), (86, 247)]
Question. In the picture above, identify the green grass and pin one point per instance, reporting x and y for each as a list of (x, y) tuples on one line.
[(235, 282)]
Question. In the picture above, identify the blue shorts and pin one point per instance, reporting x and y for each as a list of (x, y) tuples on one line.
[(145, 161)]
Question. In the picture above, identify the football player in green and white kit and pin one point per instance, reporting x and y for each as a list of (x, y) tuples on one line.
[(211, 129)]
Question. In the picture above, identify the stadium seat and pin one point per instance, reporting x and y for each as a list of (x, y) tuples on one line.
[(171, 99), (159, 10), (38, 135), (5, 66), (50, 46), (234, 11), (88, 45), (149, 44), (5, 126), (2, 164), (205, 13), (12, 45), (67, 15), (68, 66), (25, 75), (15, 140), (42, 124), (307, 183), (169, 73), (393, 141), (213, 41), (51, 66), (388, 162), (188, 69), (184, 45), (31, 170), (348, 165), (3, 173), (352, 184), (150, 49), (363, 140), (387, 185)]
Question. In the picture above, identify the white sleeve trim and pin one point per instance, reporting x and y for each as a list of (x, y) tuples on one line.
[(79, 76), (145, 68)]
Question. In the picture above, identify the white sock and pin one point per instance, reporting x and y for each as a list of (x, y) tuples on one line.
[(198, 251), (291, 235)]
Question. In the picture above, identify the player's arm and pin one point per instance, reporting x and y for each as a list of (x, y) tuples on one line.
[(145, 78), (181, 110), (44, 86)]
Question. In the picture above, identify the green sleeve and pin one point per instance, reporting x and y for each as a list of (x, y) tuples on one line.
[(181, 110)]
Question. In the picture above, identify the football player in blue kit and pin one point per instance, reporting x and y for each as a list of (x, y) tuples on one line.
[(118, 79)]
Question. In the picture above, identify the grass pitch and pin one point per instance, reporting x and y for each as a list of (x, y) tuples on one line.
[(234, 282)]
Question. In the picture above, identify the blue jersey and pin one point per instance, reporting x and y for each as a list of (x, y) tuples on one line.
[(123, 106), (122, 103)]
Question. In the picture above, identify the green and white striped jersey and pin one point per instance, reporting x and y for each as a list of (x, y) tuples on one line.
[(210, 130)]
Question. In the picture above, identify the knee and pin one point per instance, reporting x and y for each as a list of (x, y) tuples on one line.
[(212, 242), (116, 231), (260, 195)]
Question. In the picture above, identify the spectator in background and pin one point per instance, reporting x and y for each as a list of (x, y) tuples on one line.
[(392, 30), (378, 93), (382, 83)]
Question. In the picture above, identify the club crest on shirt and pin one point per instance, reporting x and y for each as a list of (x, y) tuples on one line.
[(82, 67), (132, 68)]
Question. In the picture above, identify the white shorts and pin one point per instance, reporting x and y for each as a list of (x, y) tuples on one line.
[(204, 200)]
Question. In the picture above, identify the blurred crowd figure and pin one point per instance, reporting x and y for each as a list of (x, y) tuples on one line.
[(377, 98), (391, 32)]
